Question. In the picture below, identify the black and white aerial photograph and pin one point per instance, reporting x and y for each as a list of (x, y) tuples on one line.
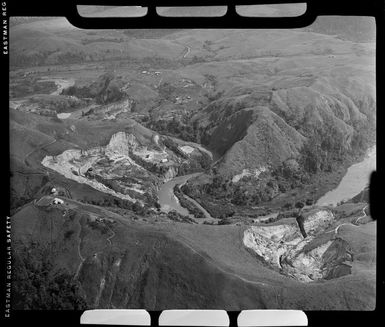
[(192, 168)]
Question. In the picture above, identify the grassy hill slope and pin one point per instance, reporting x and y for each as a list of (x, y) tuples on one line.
[(128, 265)]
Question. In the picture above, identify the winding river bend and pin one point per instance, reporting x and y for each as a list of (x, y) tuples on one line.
[(167, 199), (354, 181)]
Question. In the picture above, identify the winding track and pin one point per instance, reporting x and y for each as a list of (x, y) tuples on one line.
[(181, 239), (39, 173), (36, 149), (185, 243), (355, 222), (363, 216), (187, 51), (110, 237), (80, 255), (83, 259)]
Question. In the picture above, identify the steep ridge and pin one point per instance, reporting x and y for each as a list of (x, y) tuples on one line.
[(105, 89), (256, 128), (268, 142)]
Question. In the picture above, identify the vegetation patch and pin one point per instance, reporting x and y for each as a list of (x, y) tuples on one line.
[(192, 209), (177, 217), (39, 285)]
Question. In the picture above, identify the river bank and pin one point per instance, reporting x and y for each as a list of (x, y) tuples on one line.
[(357, 177), (326, 182), (167, 199), (326, 188)]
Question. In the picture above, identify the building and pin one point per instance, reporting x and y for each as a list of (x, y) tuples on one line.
[(57, 201)]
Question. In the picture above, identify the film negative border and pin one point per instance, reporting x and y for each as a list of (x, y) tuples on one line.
[(315, 8)]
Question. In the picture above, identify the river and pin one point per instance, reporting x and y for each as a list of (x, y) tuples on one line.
[(167, 200), (354, 181), (61, 83)]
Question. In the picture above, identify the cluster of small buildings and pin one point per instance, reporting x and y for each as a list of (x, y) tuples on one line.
[(29, 73), (100, 220), (182, 99), (189, 83), (151, 73), (152, 155), (54, 192), (117, 108), (57, 201), (104, 220)]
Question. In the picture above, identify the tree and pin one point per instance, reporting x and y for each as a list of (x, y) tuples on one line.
[(325, 146), (256, 199), (288, 205), (224, 221), (217, 181), (39, 285), (239, 197), (309, 202), (310, 154), (138, 208), (165, 90), (299, 205)]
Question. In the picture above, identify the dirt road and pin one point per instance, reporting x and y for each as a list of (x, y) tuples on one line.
[(355, 222), (188, 49), (37, 149)]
